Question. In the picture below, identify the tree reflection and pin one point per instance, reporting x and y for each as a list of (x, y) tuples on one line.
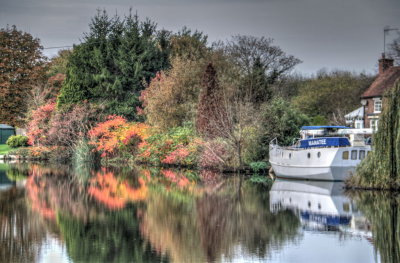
[(383, 212), (125, 215), (114, 237), (91, 228), (215, 221), (239, 214), (21, 232)]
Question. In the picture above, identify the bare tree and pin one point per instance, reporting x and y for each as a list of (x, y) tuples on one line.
[(226, 113)]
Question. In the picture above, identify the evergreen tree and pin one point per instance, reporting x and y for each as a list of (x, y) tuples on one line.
[(113, 64)]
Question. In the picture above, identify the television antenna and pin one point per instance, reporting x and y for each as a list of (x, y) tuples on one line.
[(386, 30)]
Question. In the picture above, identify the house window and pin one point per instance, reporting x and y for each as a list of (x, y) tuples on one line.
[(359, 124), (377, 105), (374, 125)]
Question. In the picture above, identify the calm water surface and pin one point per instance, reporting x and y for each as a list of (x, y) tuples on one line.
[(77, 214)]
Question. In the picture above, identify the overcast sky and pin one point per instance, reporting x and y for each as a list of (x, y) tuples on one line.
[(331, 34)]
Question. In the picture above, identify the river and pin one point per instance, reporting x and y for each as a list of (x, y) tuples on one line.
[(56, 213)]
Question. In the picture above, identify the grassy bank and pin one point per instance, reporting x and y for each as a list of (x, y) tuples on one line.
[(4, 149)]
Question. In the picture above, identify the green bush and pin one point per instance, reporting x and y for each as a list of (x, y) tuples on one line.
[(16, 141), (258, 166)]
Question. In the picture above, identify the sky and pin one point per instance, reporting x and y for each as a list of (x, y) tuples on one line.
[(329, 34)]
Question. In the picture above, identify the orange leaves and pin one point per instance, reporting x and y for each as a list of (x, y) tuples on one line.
[(113, 193), (177, 156), (116, 134), (39, 123)]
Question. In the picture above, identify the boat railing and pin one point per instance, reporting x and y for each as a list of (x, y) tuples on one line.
[(274, 141)]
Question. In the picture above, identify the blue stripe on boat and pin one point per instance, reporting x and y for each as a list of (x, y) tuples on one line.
[(325, 142)]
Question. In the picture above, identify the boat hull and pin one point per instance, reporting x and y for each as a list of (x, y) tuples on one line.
[(327, 163), (331, 173)]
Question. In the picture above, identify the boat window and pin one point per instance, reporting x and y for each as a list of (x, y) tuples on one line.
[(354, 154), (319, 154), (290, 155), (309, 204), (308, 155), (346, 207), (345, 155), (361, 155)]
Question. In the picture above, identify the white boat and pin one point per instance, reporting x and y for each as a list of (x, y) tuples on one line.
[(323, 153), (320, 206)]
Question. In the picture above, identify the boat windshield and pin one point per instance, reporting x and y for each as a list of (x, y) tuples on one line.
[(308, 132)]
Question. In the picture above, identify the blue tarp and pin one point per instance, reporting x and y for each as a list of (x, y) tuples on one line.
[(323, 127), (324, 142)]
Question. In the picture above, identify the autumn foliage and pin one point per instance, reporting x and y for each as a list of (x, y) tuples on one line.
[(21, 65), (171, 98), (116, 136), (40, 123), (178, 146), (50, 127)]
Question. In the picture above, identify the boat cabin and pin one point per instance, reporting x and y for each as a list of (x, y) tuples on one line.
[(331, 136)]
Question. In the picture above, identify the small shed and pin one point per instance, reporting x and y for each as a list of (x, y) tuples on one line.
[(5, 132)]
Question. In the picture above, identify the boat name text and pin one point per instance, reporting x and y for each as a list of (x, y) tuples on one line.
[(317, 142)]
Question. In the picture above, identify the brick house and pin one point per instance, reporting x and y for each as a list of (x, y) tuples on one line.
[(371, 99)]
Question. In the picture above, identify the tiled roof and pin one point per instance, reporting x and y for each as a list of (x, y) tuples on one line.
[(383, 82)]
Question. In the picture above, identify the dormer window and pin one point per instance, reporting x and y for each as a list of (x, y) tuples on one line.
[(377, 105)]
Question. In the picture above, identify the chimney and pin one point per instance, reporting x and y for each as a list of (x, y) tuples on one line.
[(384, 63)]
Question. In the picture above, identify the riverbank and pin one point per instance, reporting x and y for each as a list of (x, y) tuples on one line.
[(4, 149)]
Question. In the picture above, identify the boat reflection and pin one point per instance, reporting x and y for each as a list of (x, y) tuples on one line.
[(320, 206)]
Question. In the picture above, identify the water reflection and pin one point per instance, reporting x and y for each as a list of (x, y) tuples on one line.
[(320, 206), (216, 222), (21, 232), (382, 210), (151, 215)]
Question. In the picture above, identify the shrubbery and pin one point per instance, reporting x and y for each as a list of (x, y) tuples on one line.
[(177, 146), (116, 136), (17, 141)]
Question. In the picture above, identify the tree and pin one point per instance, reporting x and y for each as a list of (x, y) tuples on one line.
[(113, 64), (282, 121), (171, 98), (188, 45), (21, 64), (331, 94), (260, 62), (226, 117), (48, 89), (381, 168), (211, 111)]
